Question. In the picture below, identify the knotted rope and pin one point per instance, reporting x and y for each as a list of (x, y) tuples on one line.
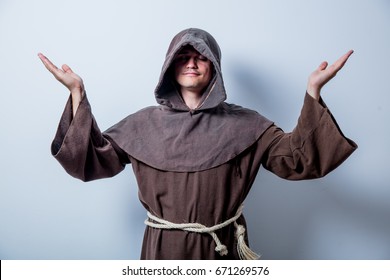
[(244, 252)]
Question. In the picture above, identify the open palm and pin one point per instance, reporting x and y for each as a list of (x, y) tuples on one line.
[(65, 75), (68, 78), (324, 74)]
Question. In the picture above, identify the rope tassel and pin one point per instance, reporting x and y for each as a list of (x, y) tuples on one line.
[(244, 252)]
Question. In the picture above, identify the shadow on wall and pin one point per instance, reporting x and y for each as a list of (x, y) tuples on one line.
[(250, 86), (314, 219)]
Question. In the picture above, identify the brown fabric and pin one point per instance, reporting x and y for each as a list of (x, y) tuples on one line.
[(186, 142), (313, 149), (80, 148)]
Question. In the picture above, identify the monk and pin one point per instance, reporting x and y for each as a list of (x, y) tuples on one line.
[(195, 156)]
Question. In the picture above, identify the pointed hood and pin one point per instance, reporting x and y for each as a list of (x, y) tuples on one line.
[(166, 92)]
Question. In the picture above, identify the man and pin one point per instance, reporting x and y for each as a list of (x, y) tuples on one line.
[(195, 156)]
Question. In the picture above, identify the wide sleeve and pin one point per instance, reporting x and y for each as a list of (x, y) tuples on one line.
[(314, 148), (81, 148)]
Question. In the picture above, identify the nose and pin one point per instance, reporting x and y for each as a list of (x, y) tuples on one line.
[(191, 63)]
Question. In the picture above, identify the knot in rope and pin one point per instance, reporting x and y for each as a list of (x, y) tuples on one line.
[(221, 249), (240, 231)]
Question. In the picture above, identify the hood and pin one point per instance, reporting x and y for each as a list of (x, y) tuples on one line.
[(171, 137), (166, 92)]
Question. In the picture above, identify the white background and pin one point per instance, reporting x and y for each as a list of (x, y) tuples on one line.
[(268, 50)]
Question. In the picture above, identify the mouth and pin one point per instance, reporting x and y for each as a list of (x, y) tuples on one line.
[(191, 73)]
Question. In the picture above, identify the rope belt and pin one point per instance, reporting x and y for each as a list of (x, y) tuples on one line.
[(244, 252)]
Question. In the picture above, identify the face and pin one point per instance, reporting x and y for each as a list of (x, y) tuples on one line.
[(193, 71)]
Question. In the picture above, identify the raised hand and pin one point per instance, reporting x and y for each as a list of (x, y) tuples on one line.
[(68, 78), (324, 74)]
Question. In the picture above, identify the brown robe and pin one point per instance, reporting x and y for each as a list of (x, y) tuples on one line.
[(198, 183)]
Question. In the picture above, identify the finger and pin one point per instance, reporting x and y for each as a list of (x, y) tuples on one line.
[(45, 60), (322, 66), (48, 64), (342, 60), (41, 56), (67, 69)]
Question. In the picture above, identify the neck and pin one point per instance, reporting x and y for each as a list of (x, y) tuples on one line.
[(191, 98)]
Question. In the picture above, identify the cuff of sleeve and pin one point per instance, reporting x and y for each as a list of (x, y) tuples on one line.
[(311, 114), (315, 114), (67, 121)]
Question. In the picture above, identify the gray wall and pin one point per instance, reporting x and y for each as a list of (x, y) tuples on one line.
[(269, 49)]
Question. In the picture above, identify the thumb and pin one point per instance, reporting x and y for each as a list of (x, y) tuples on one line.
[(66, 68), (323, 66)]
